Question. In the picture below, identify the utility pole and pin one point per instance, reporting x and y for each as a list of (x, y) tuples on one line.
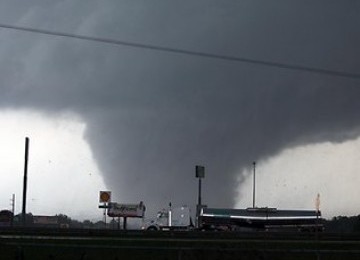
[(25, 181), (254, 166)]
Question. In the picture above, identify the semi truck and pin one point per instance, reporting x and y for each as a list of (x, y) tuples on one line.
[(170, 219)]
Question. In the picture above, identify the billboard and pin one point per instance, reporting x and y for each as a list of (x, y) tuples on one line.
[(46, 220), (126, 210)]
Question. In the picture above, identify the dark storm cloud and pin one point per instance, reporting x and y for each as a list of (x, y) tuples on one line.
[(152, 116)]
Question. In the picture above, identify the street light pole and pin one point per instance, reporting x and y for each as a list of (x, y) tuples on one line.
[(199, 173), (254, 166), (27, 140)]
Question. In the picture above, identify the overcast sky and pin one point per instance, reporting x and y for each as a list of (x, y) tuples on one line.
[(144, 118)]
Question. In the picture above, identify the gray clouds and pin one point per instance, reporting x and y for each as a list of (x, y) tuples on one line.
[(151, 116)]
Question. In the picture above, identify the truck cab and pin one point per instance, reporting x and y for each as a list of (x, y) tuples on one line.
[(171, 219)]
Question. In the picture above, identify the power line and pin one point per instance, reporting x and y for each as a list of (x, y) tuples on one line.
[(186, 52)]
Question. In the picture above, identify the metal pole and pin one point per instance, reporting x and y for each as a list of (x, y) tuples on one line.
[(199, 173), (254, 165), (125, 223), (199, 206), (25, 180), (199, 195), (170, 216), (105, 205)]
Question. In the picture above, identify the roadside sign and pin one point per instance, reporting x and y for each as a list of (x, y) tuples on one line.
[(200, 171), (126, 210), (105, 196)]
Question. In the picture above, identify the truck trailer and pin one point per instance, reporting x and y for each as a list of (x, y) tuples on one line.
[(260, 219)]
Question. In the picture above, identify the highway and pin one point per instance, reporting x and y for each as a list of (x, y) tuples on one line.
[(134, 244)]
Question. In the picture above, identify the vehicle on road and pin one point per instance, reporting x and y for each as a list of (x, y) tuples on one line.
[(170, 219), (260, 219)]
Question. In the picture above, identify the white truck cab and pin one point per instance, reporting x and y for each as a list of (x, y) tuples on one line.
[(171, 219)]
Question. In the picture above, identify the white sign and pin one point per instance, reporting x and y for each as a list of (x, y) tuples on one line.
[(126, 210)]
